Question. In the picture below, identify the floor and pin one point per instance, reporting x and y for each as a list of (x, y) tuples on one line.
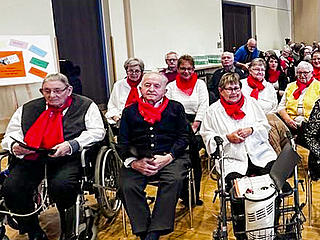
[(205, 219)]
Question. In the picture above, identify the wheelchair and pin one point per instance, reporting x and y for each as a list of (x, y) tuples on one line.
[(100, 173), (286, 218)]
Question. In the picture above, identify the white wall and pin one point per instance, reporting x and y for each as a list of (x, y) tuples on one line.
[(272, 27), (277, 4), (186, 26), (23, 17)]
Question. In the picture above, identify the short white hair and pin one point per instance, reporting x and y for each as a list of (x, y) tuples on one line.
[(163, 78), (304, 64)]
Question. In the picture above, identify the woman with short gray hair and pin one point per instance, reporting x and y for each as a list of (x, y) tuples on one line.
[(125, 91)]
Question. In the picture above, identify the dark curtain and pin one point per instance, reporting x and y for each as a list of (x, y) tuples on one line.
[(79, 40)]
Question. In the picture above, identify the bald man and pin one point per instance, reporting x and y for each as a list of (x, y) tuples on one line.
[(227, 62), (246, 53)]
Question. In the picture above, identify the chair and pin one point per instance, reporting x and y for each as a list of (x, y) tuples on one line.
[(191, 194)]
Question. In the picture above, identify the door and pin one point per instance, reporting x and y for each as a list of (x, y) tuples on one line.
[(236, 26), (80, 35)]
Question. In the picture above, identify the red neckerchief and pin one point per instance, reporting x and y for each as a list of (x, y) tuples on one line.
[(150, 113), (316, 73), (256, 85), (301, 87), (187, 86), (234, 110), (133, 94), (273, 75), (47, 130)]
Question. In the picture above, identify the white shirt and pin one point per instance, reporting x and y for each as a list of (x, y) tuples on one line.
[(196, 103), (94, 132), (118, 99), (267, 97), (217, 122)]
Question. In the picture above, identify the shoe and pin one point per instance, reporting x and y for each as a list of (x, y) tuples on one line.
[(152, 236), (199, 202), (38, 235)]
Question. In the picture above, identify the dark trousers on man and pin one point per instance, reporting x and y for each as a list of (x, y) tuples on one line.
[(26, 175), (132, 190)]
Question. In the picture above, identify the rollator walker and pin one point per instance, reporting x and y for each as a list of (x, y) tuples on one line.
[(267, 216)]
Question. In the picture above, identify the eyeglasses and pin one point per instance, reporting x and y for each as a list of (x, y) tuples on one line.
[(171, 59), (230, 90), (56, 91), (258, 69), (134, 71), (314, 59), (303, 73), (186, 69)]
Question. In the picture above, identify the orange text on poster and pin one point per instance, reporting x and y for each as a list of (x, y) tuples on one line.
[(12, 70), (38, 72)]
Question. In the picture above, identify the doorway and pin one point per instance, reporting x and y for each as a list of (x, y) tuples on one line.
[(236, 26)]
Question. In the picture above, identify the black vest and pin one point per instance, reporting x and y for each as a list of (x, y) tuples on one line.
[(73, 121)]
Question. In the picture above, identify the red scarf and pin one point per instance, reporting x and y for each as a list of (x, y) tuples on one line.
[(273, 75), (316, 73), (301, 87), (187, 86), (234, 110), (133, 94), (47, 130), (150, 113), (256, 85)]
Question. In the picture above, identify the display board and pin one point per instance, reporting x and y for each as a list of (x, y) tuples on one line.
[(25, 59)]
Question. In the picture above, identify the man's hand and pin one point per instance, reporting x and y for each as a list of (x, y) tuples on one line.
[(62, 149), (145, 166), (161, 161), (18, 150), (116, 118)]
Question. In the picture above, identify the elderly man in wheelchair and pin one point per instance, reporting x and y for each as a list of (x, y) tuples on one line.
[(49, 131), (243, 128)]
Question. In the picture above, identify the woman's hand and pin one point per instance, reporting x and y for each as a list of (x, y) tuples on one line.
[(291, 123), (195, 125)]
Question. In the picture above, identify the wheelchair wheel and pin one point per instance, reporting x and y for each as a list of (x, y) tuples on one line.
[(107, 170)]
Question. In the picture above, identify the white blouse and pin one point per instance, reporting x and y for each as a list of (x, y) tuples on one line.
[(217, 122), (196, 103), (118, 99), (267, 99)]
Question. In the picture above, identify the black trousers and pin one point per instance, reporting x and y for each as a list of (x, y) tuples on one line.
[(26, 175), (237, 205), (132, 191)]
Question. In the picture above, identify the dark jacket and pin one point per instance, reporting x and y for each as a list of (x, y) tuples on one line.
[(140, 139)]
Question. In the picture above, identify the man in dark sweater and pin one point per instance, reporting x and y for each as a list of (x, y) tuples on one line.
[(152, 142), (227, 61), (61, 121)]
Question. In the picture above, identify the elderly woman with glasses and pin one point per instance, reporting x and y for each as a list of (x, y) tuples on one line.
[(299, 98), (257, 87), (193, 94), (241, 123), (125, 91)]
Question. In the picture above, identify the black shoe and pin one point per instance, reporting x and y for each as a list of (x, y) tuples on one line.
[(37, 235), (152, 236), (199, 202)]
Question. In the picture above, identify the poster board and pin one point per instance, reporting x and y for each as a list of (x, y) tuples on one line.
[(25, 59)]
